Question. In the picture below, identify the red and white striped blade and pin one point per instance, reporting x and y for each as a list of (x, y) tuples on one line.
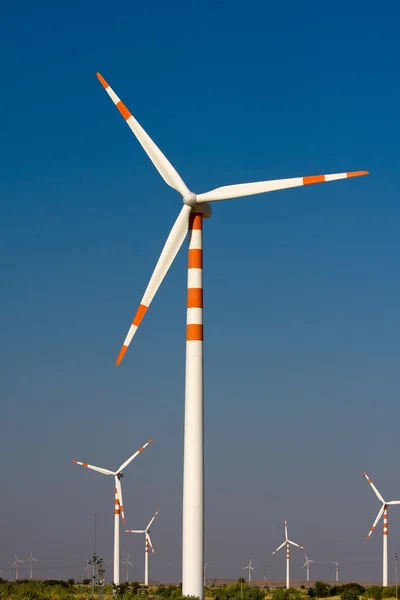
[(161, 163), (279, 547), (170, 250), (121, 504), (294, 544), (150, 544), (374, 488), (152, 519), (380, 513), (130, 459), (259, 187), (99, 469)]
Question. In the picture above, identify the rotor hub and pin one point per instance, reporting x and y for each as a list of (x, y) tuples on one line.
[(120, 475), (190, 199)]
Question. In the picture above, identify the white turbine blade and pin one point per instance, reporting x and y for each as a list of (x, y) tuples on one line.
[(130, 459), (380, 513), (135, 531), (161, 163), (305, 564), (99, 469), (281, 546), (150, 544), (374, 488), (121, 504), (286, 537), (170, 250), (252, 568), (259, 187), (393, 502), (294, 544), (152, 519)]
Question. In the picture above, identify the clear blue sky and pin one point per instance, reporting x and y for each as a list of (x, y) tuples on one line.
[(301, 287)]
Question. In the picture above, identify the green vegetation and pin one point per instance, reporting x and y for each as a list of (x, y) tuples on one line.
[(68, 590), (284, 594)]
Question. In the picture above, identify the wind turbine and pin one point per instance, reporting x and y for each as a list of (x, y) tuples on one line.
[(87, 568), (307, 564), (15, 564), (250, 569), (205, 571), (287, 543), (337, 563), (118, 504), (383, 511), (147, 543), (127, 563), (31, 561), (190, 219)]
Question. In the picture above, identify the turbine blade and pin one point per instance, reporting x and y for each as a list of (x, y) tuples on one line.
[(121, 504), (170, 250), (259, 187), (252, 568), (374, 488), (152, 519), (393, 502), (150, 544), (279, 547), (286, 537), (99, 469), (130, 459), (380, 513), (161, 163), (135, 531), (294, 544)]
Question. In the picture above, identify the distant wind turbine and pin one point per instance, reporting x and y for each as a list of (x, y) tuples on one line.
[(127, 563), (287, 543), (87, 568), (118, 504), (383, 511), (250, 569), (147, 543), (15, 564), (31, 561), (307, 564), (205, 571), (337, 563)]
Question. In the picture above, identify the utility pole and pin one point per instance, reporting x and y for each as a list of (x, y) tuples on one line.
[(396, 557)]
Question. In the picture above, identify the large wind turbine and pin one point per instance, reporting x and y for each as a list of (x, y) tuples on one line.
[(190, 219), (383, 511), (118, 504), (249, 568), (307, 566), (147, 543), (287, 543)]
